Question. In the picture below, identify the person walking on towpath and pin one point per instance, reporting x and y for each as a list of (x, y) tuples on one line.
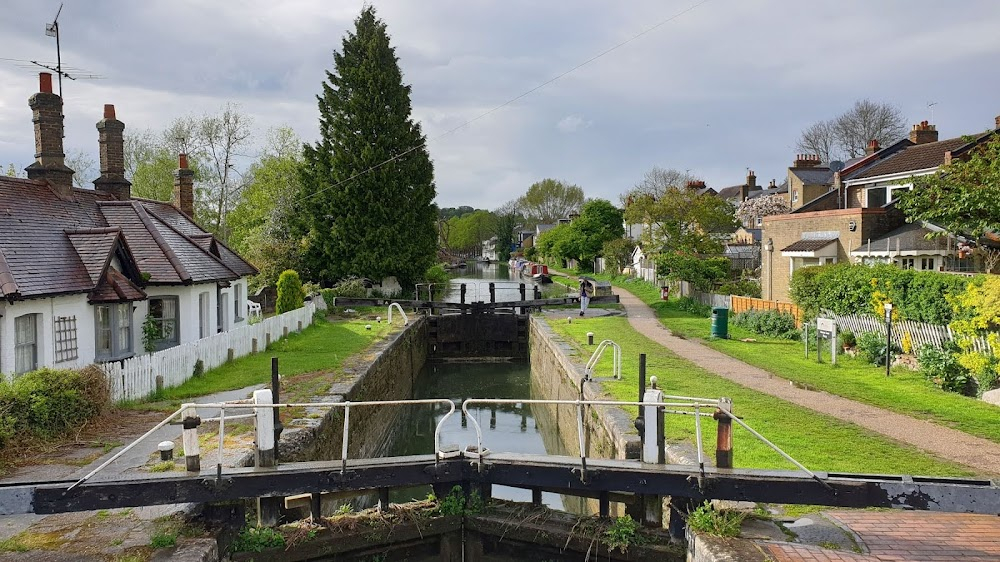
[(585, 291)]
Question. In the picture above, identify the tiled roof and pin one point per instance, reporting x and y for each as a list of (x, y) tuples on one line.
[(51, 245), (913, 158), (94, 248), (115, 287), (809, 245), (813, 176)]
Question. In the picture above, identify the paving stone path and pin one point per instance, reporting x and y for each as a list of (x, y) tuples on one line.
[(979, 454)]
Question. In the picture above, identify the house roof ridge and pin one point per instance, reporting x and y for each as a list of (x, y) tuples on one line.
[(95, 230), (192, 242), (175, 261)]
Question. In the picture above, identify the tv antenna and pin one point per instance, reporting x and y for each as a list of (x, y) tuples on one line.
[(52, 30), (930, 106)]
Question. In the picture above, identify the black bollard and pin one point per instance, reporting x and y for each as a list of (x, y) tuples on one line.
[(462, 293), (493, 292), (521, 290)]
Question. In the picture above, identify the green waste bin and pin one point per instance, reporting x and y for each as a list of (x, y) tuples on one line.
[(720, 323)]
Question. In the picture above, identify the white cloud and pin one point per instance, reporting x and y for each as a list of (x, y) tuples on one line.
[(573, 124)]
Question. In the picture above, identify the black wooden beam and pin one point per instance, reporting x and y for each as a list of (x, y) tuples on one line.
[(345, 301), (522, 471)]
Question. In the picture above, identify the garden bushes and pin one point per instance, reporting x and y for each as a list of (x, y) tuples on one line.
[(772, 323), (48, 402), (856, 289), (290, 293)]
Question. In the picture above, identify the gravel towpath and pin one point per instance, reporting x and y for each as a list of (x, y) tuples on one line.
[(979, 454)]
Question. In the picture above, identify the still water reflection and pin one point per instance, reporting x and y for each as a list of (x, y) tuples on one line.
[(478, 275), (506, 428)]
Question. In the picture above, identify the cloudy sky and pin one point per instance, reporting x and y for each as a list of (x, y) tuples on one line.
[(722, 87)]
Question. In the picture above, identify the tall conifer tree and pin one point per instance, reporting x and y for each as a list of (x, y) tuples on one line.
[(357, 220)]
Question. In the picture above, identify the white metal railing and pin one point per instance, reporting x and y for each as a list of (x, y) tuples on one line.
[(135, 378), (675, 405), (596, 356), (401, 313)]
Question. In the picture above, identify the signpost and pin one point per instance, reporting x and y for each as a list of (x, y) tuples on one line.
[(827, 327)]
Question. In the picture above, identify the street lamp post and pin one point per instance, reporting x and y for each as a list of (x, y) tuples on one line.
[(888, 335), (769, 248)]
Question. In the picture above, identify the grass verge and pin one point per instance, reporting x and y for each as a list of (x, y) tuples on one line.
[(320, 349), (905, 392), (819, 442)]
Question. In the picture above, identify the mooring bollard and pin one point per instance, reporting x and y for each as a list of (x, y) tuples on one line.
[(268, 508), (521, 290), (493, 292), (166, 449), (590, 338), (724, 435), (192, 455), (461, 292)]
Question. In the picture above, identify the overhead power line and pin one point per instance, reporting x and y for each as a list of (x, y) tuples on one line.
[(509, 101)]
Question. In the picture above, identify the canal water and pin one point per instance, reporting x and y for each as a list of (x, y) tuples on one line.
[(477, 277), (506, 428)]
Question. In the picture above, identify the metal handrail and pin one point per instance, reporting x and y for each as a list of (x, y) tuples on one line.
[(596, 356), (579, 407), (242, 405), (400, 309)]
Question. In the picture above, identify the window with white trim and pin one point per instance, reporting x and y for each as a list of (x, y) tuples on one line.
[(238, 302), (927, 264), (203, 331), (25, 343), (907, 263)]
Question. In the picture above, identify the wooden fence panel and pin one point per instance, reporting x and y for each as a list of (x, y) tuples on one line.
[(135, 378), (920, 333), (743, 304)]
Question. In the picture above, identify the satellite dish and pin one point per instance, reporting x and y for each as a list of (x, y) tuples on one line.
[(836, 166)]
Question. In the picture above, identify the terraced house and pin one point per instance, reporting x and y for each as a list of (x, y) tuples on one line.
[(854, 218), (81, 270)]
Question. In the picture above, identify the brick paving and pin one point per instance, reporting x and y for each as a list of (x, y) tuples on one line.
[(906, 536), (974, 452)]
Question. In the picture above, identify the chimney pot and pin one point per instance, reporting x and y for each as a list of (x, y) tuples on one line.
[(109, 111), (184, 187), (47, 116), (45, 82), (182, 161)]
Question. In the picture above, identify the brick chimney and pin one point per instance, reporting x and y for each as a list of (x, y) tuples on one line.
[(923, 133), (184, 187), (806, 161), (872, 148), (49, 164), (109, 136), (696, 184), (751, 180)]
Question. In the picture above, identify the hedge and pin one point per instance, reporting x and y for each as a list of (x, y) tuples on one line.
[(852, 289), (49, 402)]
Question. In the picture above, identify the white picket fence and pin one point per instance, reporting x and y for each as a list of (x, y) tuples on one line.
[(920, 333), (135, 378)]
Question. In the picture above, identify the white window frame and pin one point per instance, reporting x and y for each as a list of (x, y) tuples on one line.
[(238, 302), (908, 263), (204, 301)]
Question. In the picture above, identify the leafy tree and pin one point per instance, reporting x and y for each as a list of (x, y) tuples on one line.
[(467, 232), (699, 271), (618, 253), (506, 219), (961, 197), (599, 222), (290, 294), (559, 243), (656, 182), (451, 212), (679, 219), (750, 209), (368, 183), (847, 135), (12, 172), (549, 200)]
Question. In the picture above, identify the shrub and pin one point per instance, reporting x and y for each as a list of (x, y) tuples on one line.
[(871, 348), (740, 287), (437, 274), (982, 367), (700, 271), (48, 402), (622, 532), (688, 304), (351, 287), (773, 323), (290, 294), (847, 338), (941, 366)]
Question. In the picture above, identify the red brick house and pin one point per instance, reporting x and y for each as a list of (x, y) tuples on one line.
[(82, 269), (856, 219)]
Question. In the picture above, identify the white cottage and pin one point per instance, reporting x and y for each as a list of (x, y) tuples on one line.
[(82, 269)]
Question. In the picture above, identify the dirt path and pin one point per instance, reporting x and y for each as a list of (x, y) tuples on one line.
[(974, 452)]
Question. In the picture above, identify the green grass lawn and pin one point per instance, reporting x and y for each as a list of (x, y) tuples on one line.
[(320, 348), (817, 441), (905, 391)]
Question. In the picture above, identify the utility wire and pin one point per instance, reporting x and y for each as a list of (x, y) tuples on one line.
[(508, 102)]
